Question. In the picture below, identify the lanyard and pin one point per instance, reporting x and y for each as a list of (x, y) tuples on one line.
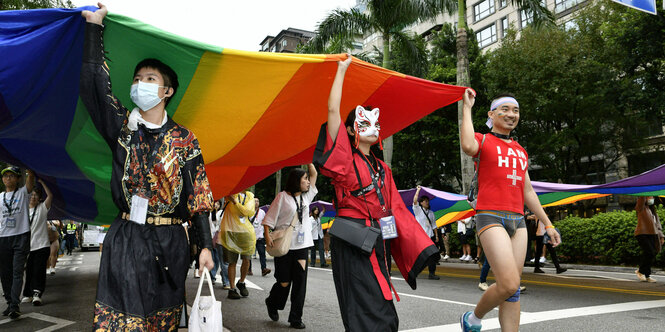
[(9, 205), (299, 207), (34, 212), (374, 174)]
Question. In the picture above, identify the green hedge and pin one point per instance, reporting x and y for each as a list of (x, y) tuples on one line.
[(606, 238)]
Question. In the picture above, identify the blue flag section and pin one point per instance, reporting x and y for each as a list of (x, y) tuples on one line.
[(648, 6)]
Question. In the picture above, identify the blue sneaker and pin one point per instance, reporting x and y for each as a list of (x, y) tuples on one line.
[(466, 326)]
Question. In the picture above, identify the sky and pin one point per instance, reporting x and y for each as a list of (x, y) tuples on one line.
[(237, 24)]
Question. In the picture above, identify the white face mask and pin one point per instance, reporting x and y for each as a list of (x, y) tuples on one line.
[(650, 201), (367, 122), (145, 95)]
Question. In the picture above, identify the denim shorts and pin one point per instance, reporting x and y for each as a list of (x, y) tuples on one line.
[(510, 221)]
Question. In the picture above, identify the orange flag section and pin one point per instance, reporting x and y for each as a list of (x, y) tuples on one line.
[(255, 113)]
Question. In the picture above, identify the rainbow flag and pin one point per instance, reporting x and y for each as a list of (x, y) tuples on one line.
[(252, 112)]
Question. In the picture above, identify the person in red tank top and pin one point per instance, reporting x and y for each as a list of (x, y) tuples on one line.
[(503, 189)]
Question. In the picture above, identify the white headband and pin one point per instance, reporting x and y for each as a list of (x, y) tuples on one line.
[(496, 104)]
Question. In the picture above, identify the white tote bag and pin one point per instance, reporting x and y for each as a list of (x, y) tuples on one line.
[(206, 315)]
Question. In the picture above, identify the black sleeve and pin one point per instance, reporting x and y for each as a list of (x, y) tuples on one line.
[(105, 109), (202, 227)]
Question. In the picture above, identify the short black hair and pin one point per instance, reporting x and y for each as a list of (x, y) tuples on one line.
[(168, 74), (293, 181), (351, 118), (422, 199)]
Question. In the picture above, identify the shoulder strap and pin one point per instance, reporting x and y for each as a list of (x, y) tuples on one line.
[(480, 150)]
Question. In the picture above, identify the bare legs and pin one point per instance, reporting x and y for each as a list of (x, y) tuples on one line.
[(506, 256)]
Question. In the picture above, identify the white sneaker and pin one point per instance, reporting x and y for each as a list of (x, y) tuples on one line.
[(463, 258), (469, 258), (446, 257), (483, 286), (26, 300), (543, 259), (36, 300), (533, 260), (52, 270), (196, 274)]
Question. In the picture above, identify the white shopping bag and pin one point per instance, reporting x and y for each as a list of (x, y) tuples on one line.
[(206, 315)]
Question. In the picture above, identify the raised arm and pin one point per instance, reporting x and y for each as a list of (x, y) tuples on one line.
[(313, 174), (335, 98), (415, 197), (49, 196), (30, 181), (106, 111), (533, 203), (467, 139)]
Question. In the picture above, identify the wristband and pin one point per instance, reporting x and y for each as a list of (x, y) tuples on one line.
[(550, 226)]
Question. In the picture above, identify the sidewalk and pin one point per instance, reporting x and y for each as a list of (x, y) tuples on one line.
[(587, 267)]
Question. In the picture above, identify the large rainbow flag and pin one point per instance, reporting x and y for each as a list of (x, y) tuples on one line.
[(449, 207), (252, 112)]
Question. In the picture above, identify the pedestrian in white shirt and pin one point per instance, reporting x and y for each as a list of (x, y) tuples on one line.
[(317, 236), (292, 267), (425, 218)]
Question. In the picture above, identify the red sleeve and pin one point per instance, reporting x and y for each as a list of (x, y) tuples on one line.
[(412, 248), (334, 158)]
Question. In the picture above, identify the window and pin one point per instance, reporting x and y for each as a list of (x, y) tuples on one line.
[(483, 9), (526, 18), (504, 26), (284, 43), (503, 3), (561, 5), (486, 36)]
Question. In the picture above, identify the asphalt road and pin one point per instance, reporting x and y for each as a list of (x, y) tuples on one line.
[(578, 300)]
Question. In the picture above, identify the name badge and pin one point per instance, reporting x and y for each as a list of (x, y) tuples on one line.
[(301, 237), (11, 223), (388, 227), (139, 209)]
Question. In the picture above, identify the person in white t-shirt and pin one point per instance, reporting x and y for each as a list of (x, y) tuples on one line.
[(256, 220), (40, 246), (292, 267), (317, 235), (425, 218), (14, 236)]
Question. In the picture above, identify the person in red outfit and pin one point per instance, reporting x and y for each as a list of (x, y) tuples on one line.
[(504, 188), (366, 195)]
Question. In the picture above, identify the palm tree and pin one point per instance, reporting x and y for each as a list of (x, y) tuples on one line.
[(389, 19)]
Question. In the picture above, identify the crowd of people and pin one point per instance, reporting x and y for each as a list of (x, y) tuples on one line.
[(168, 221)]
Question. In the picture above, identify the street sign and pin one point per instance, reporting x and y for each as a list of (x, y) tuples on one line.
[(648, 6)]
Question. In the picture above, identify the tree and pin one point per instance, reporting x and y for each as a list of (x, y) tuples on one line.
[(437, 163), (578, 104), (388, 19), (34, 4), (540, 15)]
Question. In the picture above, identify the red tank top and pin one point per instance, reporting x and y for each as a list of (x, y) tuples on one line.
[(501, 175)]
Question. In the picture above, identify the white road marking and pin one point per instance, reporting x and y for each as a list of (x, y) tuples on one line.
[(58, 322), (249, 284), (543, 316), (435, 299)]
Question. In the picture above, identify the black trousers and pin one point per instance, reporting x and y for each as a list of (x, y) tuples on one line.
[(539, 252), (432, 262), (288, 269), (318, 245), (361, 302), (14, 252), (35, 271), (69, 240), (649, 245)]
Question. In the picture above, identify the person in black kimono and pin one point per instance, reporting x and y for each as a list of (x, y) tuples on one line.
[(158, 182), (365, 193)]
